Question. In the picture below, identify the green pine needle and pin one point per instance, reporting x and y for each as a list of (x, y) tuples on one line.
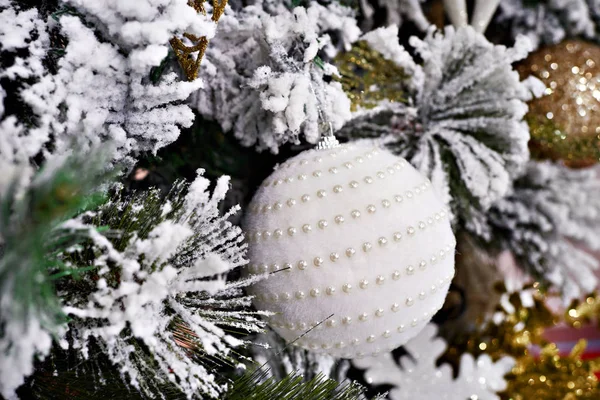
[(30, 221), (256, 386)]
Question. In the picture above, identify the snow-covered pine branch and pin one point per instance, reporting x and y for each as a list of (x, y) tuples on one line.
[(153, 294), (32, 206), (101, 90), (263, 79), (549, 22), (543, 222), (21, 31), (168, 273)]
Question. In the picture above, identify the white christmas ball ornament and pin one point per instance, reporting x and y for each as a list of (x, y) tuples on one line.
[(355, 244)]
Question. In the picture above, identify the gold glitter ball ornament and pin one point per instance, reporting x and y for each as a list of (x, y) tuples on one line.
[(368, 77), (565, 122)]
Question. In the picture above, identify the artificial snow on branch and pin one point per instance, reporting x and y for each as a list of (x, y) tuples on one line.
[(101, 89), (142, 278), (264, 81), (464, 128), (163, 284), (416, 376), (551, 209), (22, 34)]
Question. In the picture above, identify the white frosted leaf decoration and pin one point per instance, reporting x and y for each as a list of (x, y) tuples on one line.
[(550, 208)]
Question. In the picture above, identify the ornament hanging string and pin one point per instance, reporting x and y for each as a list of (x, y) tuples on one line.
[(328, 139)]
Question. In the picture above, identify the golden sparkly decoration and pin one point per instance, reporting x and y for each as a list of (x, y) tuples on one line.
[(565, 122), (554, 377), (583, 312), (368, 78), (185, 53), (549, 376)]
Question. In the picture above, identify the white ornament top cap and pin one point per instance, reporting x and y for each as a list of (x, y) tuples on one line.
[(328, 140)]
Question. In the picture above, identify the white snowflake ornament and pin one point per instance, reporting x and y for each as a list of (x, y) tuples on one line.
[(354, 243), (417, 376)]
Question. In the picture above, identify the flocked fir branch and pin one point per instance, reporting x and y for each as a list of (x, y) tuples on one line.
[(464, 128), (549, 22), (416, 375), (552, 211), (161, 283), (142, 278), (99, 89), (264, 80)]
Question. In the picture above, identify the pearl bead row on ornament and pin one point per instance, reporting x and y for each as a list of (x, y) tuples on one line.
[(362, 317), (362, 284), (366, 247), (386, 334), (318, 173), (322, 193), (339, 219), (318, 157)]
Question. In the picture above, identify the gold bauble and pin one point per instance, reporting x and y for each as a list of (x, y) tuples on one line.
[(368, 77), (565, 122)]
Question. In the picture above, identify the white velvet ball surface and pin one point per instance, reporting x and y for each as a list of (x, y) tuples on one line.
[(355, 244)]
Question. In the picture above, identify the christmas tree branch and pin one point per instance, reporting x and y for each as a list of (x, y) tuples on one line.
[(257, 386), (32, 239)]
